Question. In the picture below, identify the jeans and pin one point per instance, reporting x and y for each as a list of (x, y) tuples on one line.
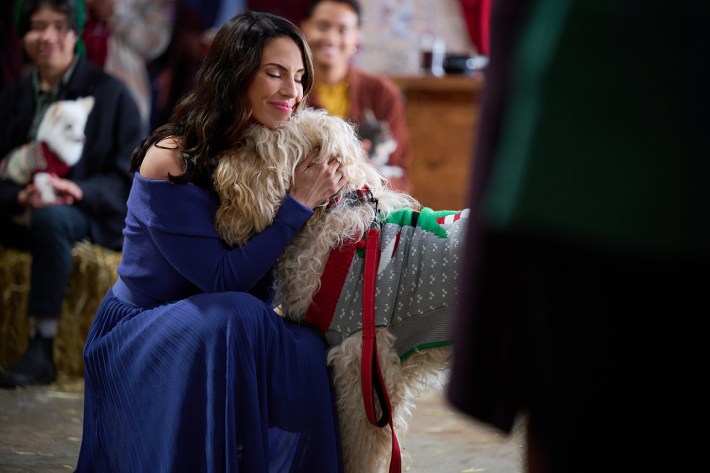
[(50, 236)]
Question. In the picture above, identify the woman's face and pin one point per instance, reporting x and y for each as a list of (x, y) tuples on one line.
[(332, 32), (276, 88), (50, 42)]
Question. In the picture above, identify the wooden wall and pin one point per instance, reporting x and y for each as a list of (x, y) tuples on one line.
[(442, 115)]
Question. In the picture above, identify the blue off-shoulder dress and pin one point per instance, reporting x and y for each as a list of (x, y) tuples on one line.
[(187, 367)]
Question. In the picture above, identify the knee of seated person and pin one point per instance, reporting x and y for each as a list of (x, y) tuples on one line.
[(55, 221)]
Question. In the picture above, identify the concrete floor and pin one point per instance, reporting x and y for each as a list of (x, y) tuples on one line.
[(40, 431)]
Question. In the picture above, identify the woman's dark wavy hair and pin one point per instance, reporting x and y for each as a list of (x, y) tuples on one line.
[(214, 115)]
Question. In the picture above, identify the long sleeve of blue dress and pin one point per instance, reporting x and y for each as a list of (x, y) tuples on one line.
[(172, 249)]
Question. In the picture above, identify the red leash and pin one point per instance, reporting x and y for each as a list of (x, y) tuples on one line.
[(372, 381)]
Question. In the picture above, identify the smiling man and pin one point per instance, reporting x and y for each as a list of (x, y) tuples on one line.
[(91, 200), (332, 28)]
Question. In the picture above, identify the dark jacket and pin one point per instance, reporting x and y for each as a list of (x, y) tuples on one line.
[(112, 132)]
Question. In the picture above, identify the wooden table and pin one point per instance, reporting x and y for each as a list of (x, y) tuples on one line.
[(442, 116)]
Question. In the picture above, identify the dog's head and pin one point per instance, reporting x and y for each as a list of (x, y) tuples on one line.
[(62, 128), (253, 179)]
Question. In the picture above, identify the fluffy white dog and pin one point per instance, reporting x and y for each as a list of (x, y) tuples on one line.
[(416, 272), (58, 146)]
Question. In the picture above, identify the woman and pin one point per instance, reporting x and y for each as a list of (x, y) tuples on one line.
[(188, 368)]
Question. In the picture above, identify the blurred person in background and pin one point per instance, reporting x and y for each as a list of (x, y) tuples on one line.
[(91, 199), (588, 234), (122, 36), (332, 28)]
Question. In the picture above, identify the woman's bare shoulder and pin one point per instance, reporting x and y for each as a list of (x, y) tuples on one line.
[(162, 159)]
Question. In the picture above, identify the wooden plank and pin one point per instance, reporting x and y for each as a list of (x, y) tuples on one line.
[(442, 116)]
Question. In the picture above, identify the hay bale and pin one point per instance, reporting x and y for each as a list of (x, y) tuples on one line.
[(14, 324), (93, 273)]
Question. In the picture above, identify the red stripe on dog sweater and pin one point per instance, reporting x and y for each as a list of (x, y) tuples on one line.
[(320, 313)]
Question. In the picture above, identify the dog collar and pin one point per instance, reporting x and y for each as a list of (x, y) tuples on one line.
[(353, 199)]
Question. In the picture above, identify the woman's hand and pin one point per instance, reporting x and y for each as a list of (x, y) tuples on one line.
[(315, 183)]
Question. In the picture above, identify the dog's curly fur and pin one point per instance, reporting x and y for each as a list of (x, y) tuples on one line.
[(252, 181)]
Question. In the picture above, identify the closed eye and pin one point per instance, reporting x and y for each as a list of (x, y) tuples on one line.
[(280, 71)]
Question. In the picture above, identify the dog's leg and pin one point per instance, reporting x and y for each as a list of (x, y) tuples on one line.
[(367, 448), (426, 370)]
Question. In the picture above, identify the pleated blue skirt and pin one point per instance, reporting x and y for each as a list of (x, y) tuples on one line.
[(212, 383)]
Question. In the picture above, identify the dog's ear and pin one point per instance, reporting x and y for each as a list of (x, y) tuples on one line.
[(251, 187), (87, 103), (53, 113), (232, 220)]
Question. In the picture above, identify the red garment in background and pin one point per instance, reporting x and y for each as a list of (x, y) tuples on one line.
[(95, 36), (478, 18)]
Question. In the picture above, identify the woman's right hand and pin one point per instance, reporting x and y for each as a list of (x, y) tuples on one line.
[(315, 183)]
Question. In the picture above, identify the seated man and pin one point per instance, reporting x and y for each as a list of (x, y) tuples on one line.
[(90, 200)]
